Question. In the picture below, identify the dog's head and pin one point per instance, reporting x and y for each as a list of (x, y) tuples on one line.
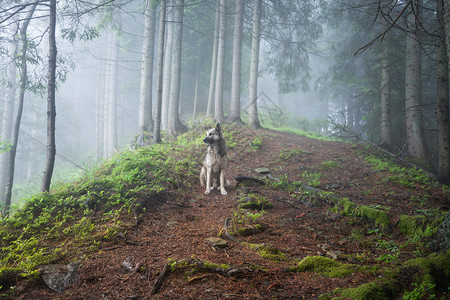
[(213, 135)]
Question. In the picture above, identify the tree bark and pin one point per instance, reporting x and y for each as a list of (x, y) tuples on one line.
[(167, 68), (8, 113), (442, 101), (112, 101), (385, 128), (145, 99), (51, 107), (414, 130), (218, 99), (235, 102), (159, 74), (212, 81), (253, 120), (174, 124)]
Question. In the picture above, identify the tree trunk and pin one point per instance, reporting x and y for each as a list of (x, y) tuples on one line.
[(235, 102), (51, 108), (99, 116), (385, 127), (145, 99), (218, 99), (174, 124), (159, 74), (197, 75), (414, 129), (167, 69), (253, 120), (442, 101), (8, 114), (112, 101), (212, 81)]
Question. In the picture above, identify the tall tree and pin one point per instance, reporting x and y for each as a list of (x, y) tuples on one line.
[(145, 98), (385, 130), (112, 96), (167, 68), (413, 85), (218, 99), (212, 81), (174, 124), (159, 74), (8, 110), (442, 101), (51, 107), (253, 120), (235, 102)]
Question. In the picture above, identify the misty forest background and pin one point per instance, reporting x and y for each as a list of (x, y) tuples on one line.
[(126, 71)]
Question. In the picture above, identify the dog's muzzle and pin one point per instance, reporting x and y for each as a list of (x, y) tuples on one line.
[(208, 140)]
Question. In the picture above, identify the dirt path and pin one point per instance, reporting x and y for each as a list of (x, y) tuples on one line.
[(176, 229)]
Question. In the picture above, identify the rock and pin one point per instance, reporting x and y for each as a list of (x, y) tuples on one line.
[(217, 242), (441, 239), (58, 277), (127, 265), (262, 171)]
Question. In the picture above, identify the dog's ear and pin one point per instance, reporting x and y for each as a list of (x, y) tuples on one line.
[(218, 129)]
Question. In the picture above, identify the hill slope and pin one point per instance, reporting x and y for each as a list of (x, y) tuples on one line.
[(335, 217)]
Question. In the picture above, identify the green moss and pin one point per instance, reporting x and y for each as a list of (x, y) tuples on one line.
[(324, 266), (418, 226), (432, 271), (267, 251), (255, 202), (246, 231), (378, 216), (372, 290)]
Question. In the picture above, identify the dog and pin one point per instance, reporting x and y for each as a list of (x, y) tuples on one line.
[(214, 169)]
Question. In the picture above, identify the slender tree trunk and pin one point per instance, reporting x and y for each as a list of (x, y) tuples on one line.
[(107, 93), (442, 101), (148, 49), (253, 120), (100, 97), (218, 99), (385, 128), (212, 81), (51, 107), (197, 75), (235, 102), (159, 74), (8, 114), (167, 69), (174, 124), (112, 106), (414, 129)]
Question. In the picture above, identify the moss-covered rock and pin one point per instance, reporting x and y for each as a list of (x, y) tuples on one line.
[(441, 238), (324, 266), (254, 202), (379, 217)]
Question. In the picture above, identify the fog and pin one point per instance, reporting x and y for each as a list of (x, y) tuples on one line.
[(329, 80)]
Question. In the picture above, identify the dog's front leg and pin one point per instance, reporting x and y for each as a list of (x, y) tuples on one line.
[(223, 181), (208, 180)]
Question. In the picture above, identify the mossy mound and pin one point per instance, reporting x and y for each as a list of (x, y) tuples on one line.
[(432, 272), (324, 266), (267, 251)]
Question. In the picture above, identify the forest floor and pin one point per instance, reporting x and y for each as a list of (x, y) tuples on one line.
[(262, 263)]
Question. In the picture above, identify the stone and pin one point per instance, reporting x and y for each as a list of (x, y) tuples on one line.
[(217, 242), (262, 171), (58, 277)]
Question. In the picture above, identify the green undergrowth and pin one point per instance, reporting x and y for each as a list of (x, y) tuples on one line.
[(267, 251), (74, 219), (376, 215), (420, 278)]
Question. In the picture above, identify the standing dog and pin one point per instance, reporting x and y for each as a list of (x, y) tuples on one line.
[(214, 168)]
